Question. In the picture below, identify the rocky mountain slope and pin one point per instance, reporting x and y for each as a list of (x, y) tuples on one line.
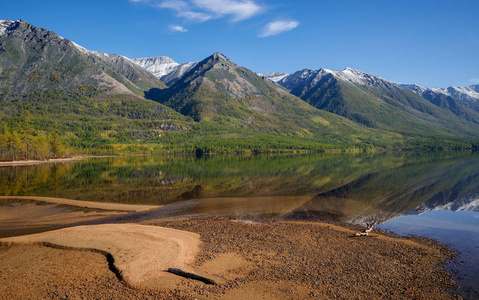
[(468, 110), (377, 103), (91, 99), (35, 59)]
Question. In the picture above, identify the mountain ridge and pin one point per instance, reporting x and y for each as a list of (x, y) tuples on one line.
[(466, 93), (98, 99), (378, 103), (36, 59)]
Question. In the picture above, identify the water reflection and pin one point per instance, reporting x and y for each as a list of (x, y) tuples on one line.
[(411, 188), (345, 187), (382, 188)]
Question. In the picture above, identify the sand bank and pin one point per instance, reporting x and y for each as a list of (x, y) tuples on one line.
[(37, 162), (86, 204), (141, 253)]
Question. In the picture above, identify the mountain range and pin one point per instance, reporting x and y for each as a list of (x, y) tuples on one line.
[(321, 89), (108, 102)]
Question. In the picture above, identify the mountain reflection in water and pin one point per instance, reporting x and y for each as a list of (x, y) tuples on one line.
[(356, 188)]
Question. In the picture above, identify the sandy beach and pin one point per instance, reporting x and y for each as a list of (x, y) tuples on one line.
[(270, 260)]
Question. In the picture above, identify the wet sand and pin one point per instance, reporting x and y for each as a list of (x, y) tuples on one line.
[(36, 162), (271, 260)]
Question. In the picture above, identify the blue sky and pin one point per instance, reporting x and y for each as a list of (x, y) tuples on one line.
[(431, 43)]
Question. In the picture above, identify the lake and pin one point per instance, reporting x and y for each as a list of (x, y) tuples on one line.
[(433, 194)]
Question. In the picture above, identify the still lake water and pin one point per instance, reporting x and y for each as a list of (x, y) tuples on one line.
[(433, 194)]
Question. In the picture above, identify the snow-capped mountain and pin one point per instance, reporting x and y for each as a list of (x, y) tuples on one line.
[(358, 77), (164, 68), (308, 77), (466, 93), (158, 66), (275, 77)]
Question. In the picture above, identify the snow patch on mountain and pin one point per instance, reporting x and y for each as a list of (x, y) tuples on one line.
[(158, 66), (358, 77), (414, 88), (308, 77), (106, 56), (275, 76), (173, 76), (4, 24), (164, 68), (467, 93), (91, 52), (299, 78)]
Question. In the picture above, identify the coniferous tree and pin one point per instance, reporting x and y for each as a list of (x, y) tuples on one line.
[(27, 133)]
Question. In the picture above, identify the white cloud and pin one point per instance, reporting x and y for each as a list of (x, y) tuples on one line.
[(277, 27), (204, 10), (474, 80), (194, 16), (177, 5), (178, 28), (239, 9)]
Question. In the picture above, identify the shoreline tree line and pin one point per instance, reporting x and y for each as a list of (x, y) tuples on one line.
[(23, 142)]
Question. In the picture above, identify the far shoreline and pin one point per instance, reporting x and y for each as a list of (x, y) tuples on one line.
[(15, 163)]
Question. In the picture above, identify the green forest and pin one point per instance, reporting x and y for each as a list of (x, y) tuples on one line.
[(59, 123)]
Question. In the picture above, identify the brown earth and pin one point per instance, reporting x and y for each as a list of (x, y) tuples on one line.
[(272, 260)]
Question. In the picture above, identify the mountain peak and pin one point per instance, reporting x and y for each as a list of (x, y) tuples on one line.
[(58, 63), (215, 61), (218, 57)]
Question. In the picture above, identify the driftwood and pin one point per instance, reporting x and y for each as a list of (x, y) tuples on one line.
[(365, 232), (190, 275)]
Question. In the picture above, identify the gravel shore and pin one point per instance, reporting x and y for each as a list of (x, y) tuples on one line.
[(247, 260)]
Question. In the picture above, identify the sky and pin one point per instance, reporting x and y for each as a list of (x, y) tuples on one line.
[(430, 43)]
